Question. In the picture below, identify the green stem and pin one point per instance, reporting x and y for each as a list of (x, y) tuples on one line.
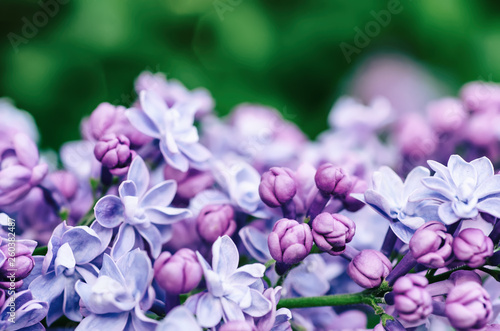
[(445, 275), (269, 263), (333, 300)]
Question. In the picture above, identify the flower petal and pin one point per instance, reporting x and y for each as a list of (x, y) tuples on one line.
[(166, 215), (231, 311), (208, 311), (446, 214), (490, 206), (139, 174), (256, 243), (71, 303), (84, 242), (154, 107), (225, 256), (47, 287), (195, 152), (260, 305), (414, 180), (127, 189), (247, 274), (142, 122), (108, 322), (179, 318), (109, 211), (440, 186), (64, 260), (124, 242), (175, 160), (461, 170), (152, 236), (484, 169), (136, 266), (488, 187), (160, 195)]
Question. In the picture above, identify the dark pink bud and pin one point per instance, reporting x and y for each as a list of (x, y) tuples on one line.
[(277, 186), (22, 260), (114, 153), (331, 232), (472, 247), (333, 180), (412, 302), (468, 307), (369, 268), (178, 273), (290, 242), (432, 246), (214, 221)]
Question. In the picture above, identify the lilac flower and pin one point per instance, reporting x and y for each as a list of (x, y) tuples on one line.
[(390, 198), (290, 242), (179, 318), (173, 92), (231, 290), (173, 127), (140, 213), (275, 320), (277, 186), (19, 121), (20, 170), (23, 261), (70, 251), (118, 297), (463, 189), (255, 241), (28, 312), (331, 232)]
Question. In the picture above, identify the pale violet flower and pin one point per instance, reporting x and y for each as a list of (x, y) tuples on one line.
[(117, 298), (179, 318), (140, 212), (70, 251), (28, 313), (390, 198), (174, 127), (232, 291), (462, 189)]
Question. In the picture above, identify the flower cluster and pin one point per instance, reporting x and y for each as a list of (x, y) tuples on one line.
[(164, 216)]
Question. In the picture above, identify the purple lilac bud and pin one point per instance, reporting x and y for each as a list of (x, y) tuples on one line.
[(331, 232), (369, 268), (114, 153), (290, 242), (480, 96), (19, 169), (432, 246), (178, 273), (412, 302), (23, 260), (66, 182), (415, 137), (106, 119), (446, 115), (472, 247), (214, 221), (333, 180), (351, 204), (277, 187), (468, 306)]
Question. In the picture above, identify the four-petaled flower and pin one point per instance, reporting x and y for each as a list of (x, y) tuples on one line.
[(462, 189), (140, 213), (116, 299), (390, 198), (232, 291), (173, 126)]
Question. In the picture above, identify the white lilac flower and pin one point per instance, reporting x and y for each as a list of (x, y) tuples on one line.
[(140, 212), (69, 256), (232, 291), (117, 298), (462, 189), (174, 127), (390, 198)]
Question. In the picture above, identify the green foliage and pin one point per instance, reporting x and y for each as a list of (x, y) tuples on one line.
[(280, 53)]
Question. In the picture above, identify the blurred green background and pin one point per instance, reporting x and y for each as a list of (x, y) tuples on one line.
[(283, 53)]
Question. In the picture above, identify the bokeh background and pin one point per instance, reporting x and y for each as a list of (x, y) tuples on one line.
[(282, 53)]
